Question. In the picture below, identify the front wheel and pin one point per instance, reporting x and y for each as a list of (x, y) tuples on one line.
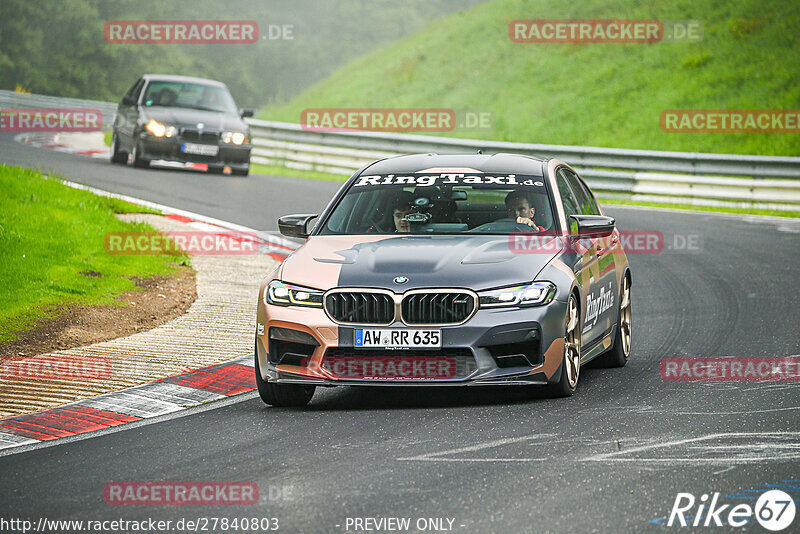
[(571, 364), (285, 395), (138, 159), (117, 155)]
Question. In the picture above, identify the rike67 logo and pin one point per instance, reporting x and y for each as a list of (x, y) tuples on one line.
[(774, 510)]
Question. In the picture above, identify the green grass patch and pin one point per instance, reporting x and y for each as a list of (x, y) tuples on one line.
[(49, 235), (605, 94), (277, 170), (692, 207)]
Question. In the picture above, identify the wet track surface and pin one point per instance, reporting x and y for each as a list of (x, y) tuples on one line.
[(611, 458)]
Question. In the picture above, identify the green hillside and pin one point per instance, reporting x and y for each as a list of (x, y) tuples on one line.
[(606, 94)]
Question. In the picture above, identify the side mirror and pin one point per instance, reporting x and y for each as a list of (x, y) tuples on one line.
[(247, 113), (128, 101), (591, 225), (295, 225)]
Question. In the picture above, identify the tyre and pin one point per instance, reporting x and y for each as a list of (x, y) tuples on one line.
[(571, 364), (241, 172), (117, 155), (287, 395), (619, 353), (138, 160)]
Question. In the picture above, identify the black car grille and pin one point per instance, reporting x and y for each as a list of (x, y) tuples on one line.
[(196, 136), (437, 308), (360, 307)]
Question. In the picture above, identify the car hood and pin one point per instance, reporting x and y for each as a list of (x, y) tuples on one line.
[(475, 262), (190, 118)]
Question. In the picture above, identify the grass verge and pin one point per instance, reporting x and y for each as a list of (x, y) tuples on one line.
[(692, 207), (51, 236), (277, 170), (585, 94)]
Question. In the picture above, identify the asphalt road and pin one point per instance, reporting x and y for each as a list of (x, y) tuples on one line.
[(255, 201), (612, 458)]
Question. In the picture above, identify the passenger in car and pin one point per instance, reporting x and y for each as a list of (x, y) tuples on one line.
[(402, 205)]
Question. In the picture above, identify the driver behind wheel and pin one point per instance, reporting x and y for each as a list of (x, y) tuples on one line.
[(518, 206)]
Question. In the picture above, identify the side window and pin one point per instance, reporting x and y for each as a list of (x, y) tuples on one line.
[(567, 197), (138, 90), (133, 92), (586, 201)]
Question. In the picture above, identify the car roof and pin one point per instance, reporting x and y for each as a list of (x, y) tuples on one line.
[(176, 78), (484, 163)]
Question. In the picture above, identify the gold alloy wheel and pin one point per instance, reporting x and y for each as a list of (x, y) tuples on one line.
[(625, 317), (572, 347)]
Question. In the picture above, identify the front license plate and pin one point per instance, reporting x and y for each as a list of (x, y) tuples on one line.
[(200, 150), (391, 367), (397, 338)]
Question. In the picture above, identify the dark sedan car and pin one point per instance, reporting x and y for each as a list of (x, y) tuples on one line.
[(181, 119), (446, 270)]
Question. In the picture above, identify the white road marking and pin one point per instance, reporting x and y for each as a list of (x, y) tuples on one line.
[(127, 402), (437, 456), (770, 447), (12, 440), (724, 470)]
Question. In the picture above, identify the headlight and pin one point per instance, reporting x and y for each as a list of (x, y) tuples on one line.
[(157, 129), (237, 138), (533, 294), (282, 294)]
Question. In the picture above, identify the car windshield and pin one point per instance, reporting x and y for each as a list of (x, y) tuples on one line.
[(442, 203), (189, 95)]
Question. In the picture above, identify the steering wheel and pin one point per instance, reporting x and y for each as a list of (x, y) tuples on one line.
[(502, 226)]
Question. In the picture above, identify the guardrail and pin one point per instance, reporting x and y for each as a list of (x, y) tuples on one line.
[(12, 99), (675, 177)]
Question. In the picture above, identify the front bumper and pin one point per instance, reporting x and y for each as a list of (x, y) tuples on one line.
[(169, 148), (487, 339)]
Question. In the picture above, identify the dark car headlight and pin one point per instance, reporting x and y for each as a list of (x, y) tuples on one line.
[(534, 294), (157, 129), (283, 294)]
